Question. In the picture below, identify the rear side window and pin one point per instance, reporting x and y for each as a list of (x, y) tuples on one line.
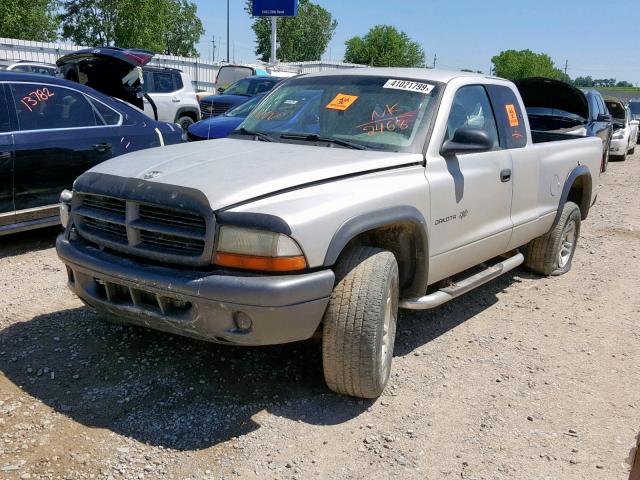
[(509, 116), (42, 107), (22, 68), (163, 82), (106, 115)]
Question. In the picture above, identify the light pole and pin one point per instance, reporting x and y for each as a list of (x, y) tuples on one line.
[(227, 31)]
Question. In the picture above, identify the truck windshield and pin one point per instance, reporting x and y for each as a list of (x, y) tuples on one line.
[(373, 112)]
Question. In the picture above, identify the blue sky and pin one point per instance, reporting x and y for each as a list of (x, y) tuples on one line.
[(597, 38)]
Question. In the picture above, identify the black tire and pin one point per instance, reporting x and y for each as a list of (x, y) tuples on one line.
[(356, 354), (185, 122), (605, 160), (632, 151), (543, 255)]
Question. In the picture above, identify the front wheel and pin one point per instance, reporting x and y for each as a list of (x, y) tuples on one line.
[(360, 323), (552, 253)]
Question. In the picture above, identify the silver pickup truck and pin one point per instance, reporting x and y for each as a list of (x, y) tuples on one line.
[(342, 197)]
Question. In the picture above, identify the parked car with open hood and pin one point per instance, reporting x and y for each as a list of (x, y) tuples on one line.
[(165, 94), (415, 187), (53, 130), (634, 108), (625, 130), (556, 107), (238, 93), (230, 74)]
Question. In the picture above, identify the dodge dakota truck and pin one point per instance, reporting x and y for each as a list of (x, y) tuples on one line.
[(403, 188)]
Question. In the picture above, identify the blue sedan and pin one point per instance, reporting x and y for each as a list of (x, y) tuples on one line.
[(220, 127), (51, 131)]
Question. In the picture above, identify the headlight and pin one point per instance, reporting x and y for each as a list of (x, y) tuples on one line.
[(619, 135), (65, 207), (257, 250)]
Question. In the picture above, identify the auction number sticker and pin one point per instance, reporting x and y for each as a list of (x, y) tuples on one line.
[(341, 102), (512, 115), (409, 86)]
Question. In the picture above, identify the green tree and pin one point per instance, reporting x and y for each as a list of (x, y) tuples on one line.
[(518, 64), (384, 46), (583, 82), (163, 26), (302, 38), (29, 19)]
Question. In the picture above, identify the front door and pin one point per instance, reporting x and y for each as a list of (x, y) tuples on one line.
[(470, 193), (60, 135)]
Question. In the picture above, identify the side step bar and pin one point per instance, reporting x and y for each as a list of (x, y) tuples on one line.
[(463, 286)]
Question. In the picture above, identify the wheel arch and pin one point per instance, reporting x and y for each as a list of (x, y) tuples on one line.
[(577, 188), (401, 230), (188, 112)]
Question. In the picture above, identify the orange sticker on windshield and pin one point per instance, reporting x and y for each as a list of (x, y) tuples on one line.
[(341, 102), (512, 114)]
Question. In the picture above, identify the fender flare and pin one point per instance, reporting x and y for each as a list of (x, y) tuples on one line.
[(581, 171), (380, 218)]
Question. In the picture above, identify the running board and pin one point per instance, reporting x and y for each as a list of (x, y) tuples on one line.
[(463, 286)]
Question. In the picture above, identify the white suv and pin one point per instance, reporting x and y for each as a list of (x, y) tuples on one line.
[(24, 66), (173, 94)]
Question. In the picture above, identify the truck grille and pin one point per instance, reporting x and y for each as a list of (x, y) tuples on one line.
[(142, 229), (213, 109)]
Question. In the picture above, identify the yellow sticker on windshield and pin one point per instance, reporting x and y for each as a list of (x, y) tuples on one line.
[(342, 102), (512, 114)]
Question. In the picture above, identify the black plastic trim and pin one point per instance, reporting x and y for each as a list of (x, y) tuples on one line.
[(379, 218), (585, 201), (257, 221)]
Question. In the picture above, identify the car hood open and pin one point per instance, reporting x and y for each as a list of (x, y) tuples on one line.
[(231, 171), (539, 92), (112, 71)]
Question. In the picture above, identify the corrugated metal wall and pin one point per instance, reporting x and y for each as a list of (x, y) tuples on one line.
[(202, 72)]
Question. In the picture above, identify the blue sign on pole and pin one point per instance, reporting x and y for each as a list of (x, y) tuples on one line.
[(275, 8)]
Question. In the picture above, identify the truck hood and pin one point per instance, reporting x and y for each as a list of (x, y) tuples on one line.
[(538, 92), (233, 171)]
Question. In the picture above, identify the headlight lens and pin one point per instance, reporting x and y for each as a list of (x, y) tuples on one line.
[(619, 135), (65, 207), (250, 249)]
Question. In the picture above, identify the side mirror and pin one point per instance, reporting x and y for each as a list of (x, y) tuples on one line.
[(220, 90), (467, 140), (603, 117)]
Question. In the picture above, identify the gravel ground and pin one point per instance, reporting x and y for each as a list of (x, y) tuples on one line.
[(526, 377)]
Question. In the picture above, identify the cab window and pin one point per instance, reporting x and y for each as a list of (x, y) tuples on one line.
[(41, 107), (471, 109), (509, 115)]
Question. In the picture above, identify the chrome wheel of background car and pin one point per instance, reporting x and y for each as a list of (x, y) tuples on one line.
[(568, 244)]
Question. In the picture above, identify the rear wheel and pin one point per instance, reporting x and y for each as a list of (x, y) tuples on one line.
[(552, 253), (360, 323), (185, 122)]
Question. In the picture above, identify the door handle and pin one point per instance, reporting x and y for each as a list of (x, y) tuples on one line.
[(505, 175), (102, 147), (175, 100)]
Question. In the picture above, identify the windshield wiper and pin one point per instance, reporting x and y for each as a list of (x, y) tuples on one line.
[(312, 137), (261, 136)]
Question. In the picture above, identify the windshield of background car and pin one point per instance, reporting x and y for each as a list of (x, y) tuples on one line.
[(634, 107), (250, 87), (243, 109), (380, 113)]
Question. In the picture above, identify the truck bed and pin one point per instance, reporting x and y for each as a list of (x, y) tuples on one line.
[(540, 136)]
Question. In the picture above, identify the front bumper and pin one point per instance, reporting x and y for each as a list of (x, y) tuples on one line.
[(205, 305)]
